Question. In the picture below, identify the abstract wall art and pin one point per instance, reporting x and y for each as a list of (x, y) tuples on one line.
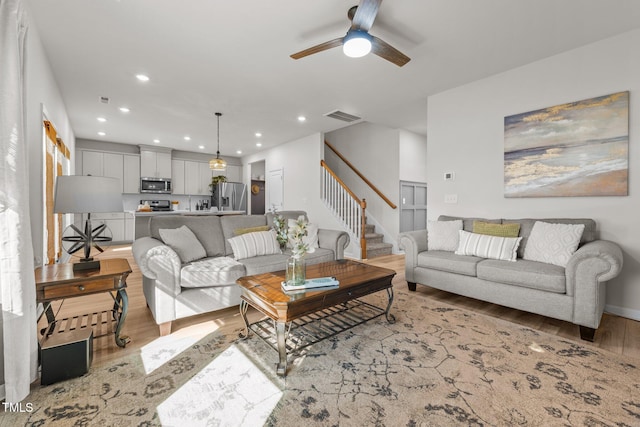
[(574, 149)]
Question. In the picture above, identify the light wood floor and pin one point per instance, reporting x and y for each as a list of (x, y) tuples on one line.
[(615, 334)]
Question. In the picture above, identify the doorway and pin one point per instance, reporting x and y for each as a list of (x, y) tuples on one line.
[(275, 189), (257, 188), (413, 206)]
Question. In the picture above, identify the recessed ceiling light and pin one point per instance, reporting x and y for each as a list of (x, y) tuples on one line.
[(258, 134), (201, 147), (301, 118), (259, 144), (187, 138), (102, 133), (101, 119), (157, 141), (239, 151), (142, 77), (124, 109)]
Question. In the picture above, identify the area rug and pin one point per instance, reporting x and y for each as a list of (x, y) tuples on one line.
[(437, 365)]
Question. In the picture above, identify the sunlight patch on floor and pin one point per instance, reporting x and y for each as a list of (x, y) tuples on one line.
[(230, 391), (163, 349), (123, 248), (536, 347)]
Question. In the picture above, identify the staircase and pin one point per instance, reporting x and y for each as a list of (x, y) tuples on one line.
[(375, 246)]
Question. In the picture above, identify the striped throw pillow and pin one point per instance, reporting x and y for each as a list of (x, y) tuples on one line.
[(254, 244), (486, 246)]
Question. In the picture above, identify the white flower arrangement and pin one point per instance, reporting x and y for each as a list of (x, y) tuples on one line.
[(296, 233)]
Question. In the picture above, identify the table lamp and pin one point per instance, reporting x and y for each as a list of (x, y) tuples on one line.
[(87, 194)]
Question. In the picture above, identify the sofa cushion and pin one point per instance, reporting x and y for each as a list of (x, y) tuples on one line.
[(526, 225), (206, 228), (553, 243), (528, 274), (448, 261), (218, 271), (467, 223), (487, 246), (230, 223), (254, 244), (443, 235), (184, 242), (500, 230), (240, 231)]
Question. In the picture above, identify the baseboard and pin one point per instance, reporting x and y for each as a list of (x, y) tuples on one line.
[(629, 313)]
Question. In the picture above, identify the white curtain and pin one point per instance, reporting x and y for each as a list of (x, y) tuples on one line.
[(19, 347)]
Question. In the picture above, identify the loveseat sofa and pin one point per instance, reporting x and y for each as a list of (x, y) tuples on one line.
[(181, 281), (574, 292)]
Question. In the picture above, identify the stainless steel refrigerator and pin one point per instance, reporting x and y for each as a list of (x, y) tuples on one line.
[(230, 196)]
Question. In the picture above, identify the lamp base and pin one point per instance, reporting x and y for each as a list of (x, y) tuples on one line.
[(89, 264)]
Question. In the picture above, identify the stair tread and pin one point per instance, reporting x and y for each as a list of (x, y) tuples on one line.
[(378, 245)]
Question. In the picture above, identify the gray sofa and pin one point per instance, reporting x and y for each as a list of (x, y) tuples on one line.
[(575, 293), (175, 290)]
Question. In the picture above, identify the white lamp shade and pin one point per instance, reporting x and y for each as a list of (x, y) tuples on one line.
[(87, 194), (356, 44)]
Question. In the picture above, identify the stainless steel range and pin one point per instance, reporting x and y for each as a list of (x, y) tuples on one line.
[(158, 205)]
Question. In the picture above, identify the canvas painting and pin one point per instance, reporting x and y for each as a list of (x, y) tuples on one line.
[(575, 149)]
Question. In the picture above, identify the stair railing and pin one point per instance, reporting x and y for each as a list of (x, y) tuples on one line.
[(345, 206)]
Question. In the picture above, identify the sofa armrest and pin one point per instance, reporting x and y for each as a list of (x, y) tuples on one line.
[(159, 262), (336, 240), (590, 267), (412, 242)]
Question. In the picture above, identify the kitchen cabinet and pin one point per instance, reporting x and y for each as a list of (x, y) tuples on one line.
[(155, 164), (178, 176), (234, 173), (131, 174), (97, 163), (114, 221), (197, 177)]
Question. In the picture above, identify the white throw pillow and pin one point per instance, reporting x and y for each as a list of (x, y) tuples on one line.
[(254, 244), (553, 243), (184, 242), (487, 246), (311, 239), (443, 235)]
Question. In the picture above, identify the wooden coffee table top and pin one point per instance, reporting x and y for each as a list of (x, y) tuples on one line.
[(264, 291)]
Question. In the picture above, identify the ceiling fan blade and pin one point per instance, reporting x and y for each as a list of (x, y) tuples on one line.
[(388, 52), (319, 48), (365, 15)]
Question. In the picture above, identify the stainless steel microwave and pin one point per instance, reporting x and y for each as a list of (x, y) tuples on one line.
[(155, 185)]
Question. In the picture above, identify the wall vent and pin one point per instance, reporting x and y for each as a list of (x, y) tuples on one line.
[(341, 115), (104, 99)]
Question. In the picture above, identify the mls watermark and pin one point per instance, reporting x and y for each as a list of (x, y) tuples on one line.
[(18, 407)]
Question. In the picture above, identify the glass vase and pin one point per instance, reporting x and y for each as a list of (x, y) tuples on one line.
[(296, 271)]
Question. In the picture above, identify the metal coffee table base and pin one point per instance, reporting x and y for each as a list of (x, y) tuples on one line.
[(292, 338)]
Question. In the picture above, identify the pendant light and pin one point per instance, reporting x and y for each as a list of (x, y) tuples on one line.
[(218, 164)]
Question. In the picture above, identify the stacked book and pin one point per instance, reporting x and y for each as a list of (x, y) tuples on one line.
[(316, 284)]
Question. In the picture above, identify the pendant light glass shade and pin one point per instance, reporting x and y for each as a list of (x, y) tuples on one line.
[(218, 164)]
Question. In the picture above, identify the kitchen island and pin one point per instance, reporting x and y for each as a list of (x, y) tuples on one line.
[(141, 219)]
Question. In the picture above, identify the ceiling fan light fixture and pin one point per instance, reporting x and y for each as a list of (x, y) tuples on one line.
[(356, 44), (218, 164)]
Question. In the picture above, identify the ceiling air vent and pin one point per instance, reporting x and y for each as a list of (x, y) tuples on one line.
[(104, 99), (341, 115)]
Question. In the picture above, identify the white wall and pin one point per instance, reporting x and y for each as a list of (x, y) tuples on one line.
[(375, 151), (41, 92), (300, 161), (465, 128), (413, 157)]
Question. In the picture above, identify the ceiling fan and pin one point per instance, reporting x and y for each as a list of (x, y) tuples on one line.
[(358, 42)]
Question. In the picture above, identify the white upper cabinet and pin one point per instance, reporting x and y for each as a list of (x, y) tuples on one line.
[(177, 177), (155, 164), (131, 174), (234, 173)]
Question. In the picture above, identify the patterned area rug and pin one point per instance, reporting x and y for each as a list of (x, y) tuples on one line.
[(437, 365)]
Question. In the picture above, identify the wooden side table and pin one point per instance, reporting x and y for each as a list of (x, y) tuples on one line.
[(59, 281)]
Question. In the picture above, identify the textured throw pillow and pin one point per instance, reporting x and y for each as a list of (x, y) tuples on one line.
[(500, 230), (553, 243), (311, 239), (486, 246), (184, 242), (240, 231), (443, 235), (254, 244)]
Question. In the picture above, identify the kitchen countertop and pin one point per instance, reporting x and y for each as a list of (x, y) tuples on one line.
[(218, 213)]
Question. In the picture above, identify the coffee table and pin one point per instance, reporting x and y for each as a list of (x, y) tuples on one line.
[(295, 320)]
